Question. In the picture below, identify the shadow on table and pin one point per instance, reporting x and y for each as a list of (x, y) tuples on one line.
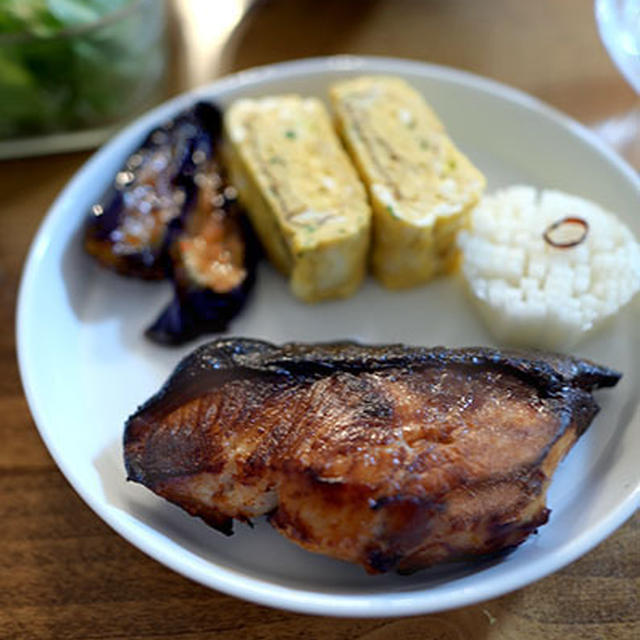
[(264, 35)]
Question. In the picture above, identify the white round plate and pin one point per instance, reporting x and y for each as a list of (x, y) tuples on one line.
[(86, 366)]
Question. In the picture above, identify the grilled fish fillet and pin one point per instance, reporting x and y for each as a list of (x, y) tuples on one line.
[(392, 457)]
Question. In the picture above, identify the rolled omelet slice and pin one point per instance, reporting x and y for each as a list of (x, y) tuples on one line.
[(421, 186), (302, 193)]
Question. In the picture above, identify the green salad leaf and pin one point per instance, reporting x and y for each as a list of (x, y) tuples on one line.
[(57, 75)]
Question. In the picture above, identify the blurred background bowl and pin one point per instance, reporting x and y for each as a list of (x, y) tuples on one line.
[(71, 71)]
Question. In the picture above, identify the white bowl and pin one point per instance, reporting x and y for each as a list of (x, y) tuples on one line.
[(86, 366)]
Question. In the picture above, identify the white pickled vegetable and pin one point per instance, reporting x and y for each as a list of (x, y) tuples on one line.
[(547, 267)]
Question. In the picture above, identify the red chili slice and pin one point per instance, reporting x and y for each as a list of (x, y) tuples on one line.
[(560, 227)]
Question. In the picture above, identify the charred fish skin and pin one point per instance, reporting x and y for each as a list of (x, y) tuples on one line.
[(392, 457), (317, 359)]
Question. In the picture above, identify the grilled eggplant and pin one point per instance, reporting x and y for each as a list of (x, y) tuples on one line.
[(131, 227), (392, 457), (170, 212), (214, 264)]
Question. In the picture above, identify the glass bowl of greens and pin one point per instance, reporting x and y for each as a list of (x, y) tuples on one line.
[(72, 70)]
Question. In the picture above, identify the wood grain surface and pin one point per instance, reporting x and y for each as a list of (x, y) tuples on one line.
[(65, 575)]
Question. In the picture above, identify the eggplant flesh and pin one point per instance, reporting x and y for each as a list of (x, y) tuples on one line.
[(392, 457), (214, 265)]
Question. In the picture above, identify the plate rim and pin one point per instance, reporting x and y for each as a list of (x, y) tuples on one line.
[(258, 590)]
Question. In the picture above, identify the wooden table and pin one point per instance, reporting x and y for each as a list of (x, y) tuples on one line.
[(64, 574)]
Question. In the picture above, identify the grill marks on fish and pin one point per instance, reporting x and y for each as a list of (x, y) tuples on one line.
[(393, 457)]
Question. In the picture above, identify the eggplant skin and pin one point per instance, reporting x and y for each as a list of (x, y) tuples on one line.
[(131, 227), (392, 457)]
